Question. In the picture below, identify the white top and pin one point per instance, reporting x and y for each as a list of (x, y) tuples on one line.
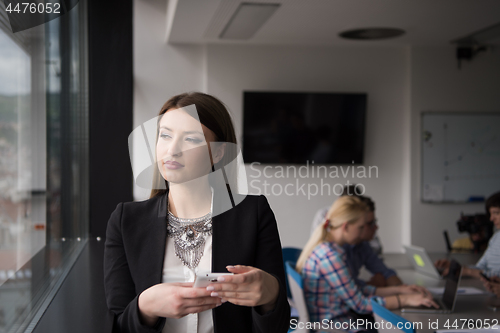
[(175, 271)]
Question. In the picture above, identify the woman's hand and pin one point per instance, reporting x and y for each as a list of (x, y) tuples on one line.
[(414, 289), (174, 300), (442, 265), (249, 286), (417, 300)]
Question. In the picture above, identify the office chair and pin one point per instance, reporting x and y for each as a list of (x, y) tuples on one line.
[(461, 245), (382, 314), (289, 254), (297, 289)]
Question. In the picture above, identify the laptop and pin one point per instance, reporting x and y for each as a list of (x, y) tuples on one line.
[(447, 301), (421, 261)]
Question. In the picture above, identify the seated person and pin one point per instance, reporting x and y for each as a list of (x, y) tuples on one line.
[(363, 254), (330, 290), (489, 263)]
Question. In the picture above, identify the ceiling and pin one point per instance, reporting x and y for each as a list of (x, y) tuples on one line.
[(318, 22)]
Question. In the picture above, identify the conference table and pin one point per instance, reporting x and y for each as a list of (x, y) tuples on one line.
[(477, 308)]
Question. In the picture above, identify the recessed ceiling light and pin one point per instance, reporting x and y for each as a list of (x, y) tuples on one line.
[(371, 33)]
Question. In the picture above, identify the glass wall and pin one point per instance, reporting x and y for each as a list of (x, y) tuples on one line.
[(43, 162)]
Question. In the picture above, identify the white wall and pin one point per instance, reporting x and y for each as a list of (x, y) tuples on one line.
[(438, 85), (161, 70), (400, 83), (380, 72)]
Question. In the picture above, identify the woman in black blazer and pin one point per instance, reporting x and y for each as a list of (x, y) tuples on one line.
[(243, 233)]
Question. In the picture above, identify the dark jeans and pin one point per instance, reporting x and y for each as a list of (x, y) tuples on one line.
[(366, 317)]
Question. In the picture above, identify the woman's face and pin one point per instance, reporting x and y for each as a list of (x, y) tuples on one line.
[(495, 216), (370, 227), (354, 231), (182, 152)]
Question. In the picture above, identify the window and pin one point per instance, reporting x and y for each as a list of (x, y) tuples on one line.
[(43, 162)]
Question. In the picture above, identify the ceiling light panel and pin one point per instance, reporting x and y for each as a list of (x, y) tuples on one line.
[(247, 20)]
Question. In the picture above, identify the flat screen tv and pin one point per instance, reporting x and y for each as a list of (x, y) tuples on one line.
[(299, 128)]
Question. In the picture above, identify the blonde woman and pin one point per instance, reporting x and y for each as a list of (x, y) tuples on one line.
[(329, 289)]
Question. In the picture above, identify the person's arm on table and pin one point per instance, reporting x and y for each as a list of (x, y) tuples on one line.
[(400, 301), (404, 289), (470, 271), (393, 280), (400, 296), (377, 280), (444, 265)]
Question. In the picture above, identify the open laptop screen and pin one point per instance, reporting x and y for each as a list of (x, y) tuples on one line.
[(452, 280)]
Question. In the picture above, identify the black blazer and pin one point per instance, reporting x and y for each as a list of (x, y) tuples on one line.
[(134, 254)]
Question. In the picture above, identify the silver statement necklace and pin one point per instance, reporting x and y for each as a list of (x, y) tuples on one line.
[(189, 237)]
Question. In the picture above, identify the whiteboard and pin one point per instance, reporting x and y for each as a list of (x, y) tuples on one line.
[(460, 156)]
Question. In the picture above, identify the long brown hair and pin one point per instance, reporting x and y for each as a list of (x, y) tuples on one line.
[(214, 115)]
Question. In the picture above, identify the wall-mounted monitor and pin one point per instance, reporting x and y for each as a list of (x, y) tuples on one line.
[(293, 128)]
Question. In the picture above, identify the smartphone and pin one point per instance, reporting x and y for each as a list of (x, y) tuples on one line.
[(483, 275), (203, 279)]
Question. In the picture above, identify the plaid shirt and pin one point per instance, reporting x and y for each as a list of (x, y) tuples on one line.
[(329, 289)]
